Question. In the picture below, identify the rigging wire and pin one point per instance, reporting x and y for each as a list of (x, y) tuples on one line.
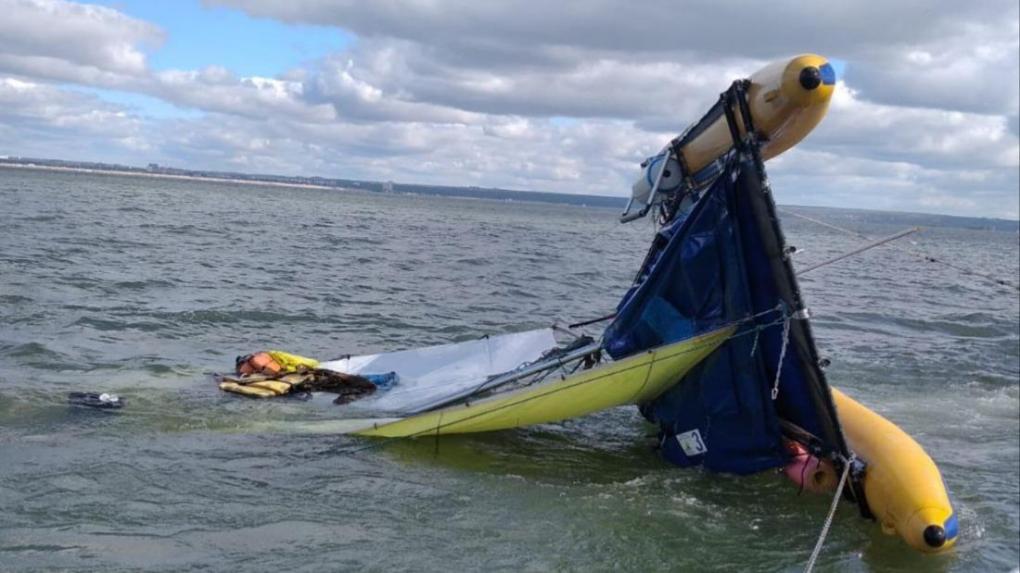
[(914, 252), (856, 251), (782, 355), (859, 250)]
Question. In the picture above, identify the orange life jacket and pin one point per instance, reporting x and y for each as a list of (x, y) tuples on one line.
[(258, 363)]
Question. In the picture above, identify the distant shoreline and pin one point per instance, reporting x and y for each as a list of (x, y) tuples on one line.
[(263, 182), (459, 192), (335, 184)]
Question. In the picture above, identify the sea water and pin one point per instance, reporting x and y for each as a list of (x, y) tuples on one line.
[(143, 287)]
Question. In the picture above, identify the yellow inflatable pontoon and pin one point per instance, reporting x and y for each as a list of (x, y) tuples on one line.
[(902, 485)]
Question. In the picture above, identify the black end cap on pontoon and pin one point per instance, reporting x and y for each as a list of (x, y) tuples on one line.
[(935, 536), (810, 78)]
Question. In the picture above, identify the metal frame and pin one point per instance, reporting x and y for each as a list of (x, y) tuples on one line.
[(734, 100)]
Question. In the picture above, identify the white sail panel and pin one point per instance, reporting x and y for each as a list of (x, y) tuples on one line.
[(428, 374)]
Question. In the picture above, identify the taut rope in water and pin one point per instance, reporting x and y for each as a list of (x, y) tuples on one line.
[(832, 513)]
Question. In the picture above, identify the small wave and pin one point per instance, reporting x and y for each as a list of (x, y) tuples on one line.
[(143, 284), (14, 299), (27, 349), (134, 209), (107, 325), (216, 317), (45, 218)]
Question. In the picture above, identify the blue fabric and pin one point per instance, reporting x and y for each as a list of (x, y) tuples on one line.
[(382, 381), (708, 269)]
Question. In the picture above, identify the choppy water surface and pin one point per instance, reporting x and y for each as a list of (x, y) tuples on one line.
[(142, 287)]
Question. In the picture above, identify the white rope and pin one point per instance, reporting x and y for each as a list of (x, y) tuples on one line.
[(832, 513)]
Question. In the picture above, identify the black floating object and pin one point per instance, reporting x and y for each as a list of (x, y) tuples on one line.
[(810, 78), (102, 401)]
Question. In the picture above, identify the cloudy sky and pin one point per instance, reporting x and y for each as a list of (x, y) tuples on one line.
[(563, 96)]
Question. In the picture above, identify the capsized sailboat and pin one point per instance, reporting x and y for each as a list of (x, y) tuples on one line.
[(712, 340)]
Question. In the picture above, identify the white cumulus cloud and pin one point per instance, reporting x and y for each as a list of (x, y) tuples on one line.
[(556, 96)]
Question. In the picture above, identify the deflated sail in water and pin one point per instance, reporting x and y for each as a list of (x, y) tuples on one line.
[(723, 261)]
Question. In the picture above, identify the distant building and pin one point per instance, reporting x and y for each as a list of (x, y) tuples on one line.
[(387, 187), (154, 167)]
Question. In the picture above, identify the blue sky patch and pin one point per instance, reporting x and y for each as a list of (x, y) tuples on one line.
[(198, 36)]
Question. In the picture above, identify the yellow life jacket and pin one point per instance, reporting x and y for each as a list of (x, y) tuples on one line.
[(273, 363), (292, 362), (304, 378), (257, 386)]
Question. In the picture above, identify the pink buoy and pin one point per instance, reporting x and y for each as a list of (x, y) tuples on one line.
[(807, 471)]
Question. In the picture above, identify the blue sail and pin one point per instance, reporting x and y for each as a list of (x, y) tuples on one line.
[(722, 262)]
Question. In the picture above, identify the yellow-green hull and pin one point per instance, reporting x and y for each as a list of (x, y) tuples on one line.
[(634, 380)]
